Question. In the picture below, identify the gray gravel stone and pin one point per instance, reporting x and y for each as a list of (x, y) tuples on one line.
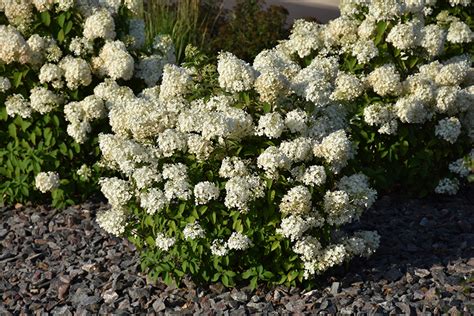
[(62, 263)]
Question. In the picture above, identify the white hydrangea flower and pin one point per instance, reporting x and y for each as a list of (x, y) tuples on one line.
[(43, 100), (79, 131), (205, 191), (14, 47), (404, 36), (112, 221), (177, 171), (238, 241), (433, 37), (312, 84), (178, 189), (448, 129), (363, 243), (348, 87), (296, 201), (176, 82), (219, 248), (297, 150), (77, 72), (308, 248), (459, 32), (193, 231), (294, 226), (271, 85), (16, 104), (171, 141), (305, 37), (240, 191), (5, 84), (364, 51), (99, 25), (336, 149), (150, 69), (337, 205), (331, 256), (313, 176), (276, 60), (453, 73), (271, 160), (385, 80), (464, 3), (410, 109), (81, 46), (51, 73), (117, 191), (233, 167), (296, 121), (164, 243), (200, 147), (383, 115), (84, 171), (163, 43), (447, 186), (461, 166), (135, 6), (47, 181), (359, 190), (341, 31), (145, 176), (114, 61), (270, 125), (235, 75), (153, 201), (446, 98)]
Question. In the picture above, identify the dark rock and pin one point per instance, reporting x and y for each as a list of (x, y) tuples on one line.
[(393, 274), (295, 306), (422, 273), (335, 288), (239, 296)]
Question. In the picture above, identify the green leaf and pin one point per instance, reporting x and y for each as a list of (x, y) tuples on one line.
[(68, 27), (267, 107), (150, 241), (17, 76), (225, 280), (253, 283), (275, 245), (12, 130), (60, 36), (292, 275), (247, 274), (45, 18), (61, 19)]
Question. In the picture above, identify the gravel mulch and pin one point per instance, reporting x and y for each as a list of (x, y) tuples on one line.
[(63, 264)]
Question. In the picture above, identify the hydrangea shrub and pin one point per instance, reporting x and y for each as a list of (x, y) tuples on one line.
[(222, 182), (406, 72), (53, 54)]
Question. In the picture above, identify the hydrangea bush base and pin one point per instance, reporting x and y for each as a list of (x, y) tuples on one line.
[(221, 186)]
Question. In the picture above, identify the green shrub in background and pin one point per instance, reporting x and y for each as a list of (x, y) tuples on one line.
[(52, 57), (245, 30), (405, 79), (249, 28), (431, 48)]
